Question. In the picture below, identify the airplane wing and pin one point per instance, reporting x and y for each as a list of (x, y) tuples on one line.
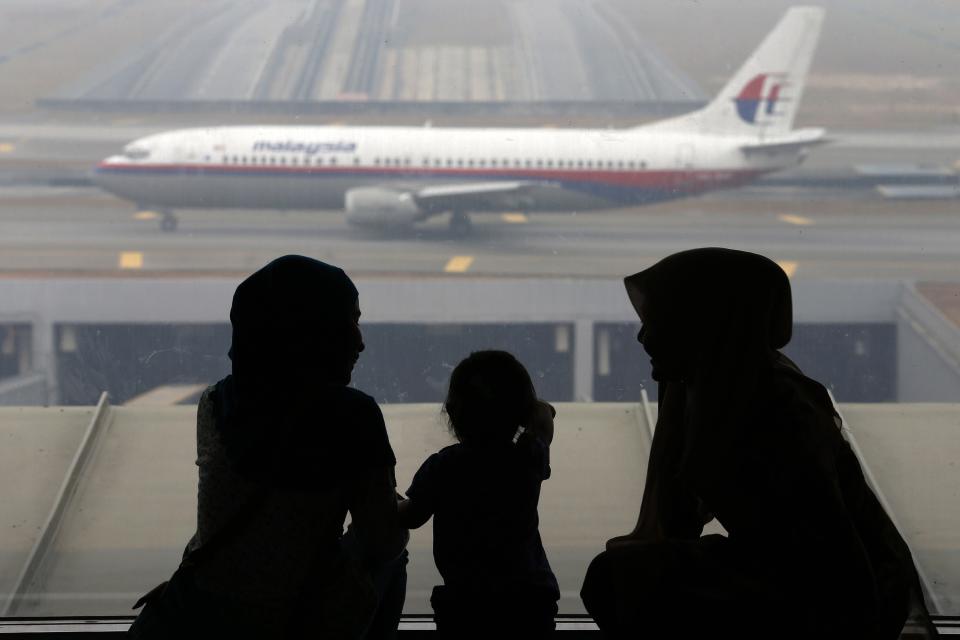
[(474, 196), (794, 141)]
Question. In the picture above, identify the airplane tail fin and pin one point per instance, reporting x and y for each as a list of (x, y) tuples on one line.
[(763, 96)]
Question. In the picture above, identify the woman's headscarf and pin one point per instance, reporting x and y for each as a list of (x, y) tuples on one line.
[(726, 302), (287, 319)]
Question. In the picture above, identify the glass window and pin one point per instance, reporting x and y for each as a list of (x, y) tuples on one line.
[(120, 252)]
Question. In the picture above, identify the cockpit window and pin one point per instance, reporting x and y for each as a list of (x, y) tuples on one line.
[(136, 153)]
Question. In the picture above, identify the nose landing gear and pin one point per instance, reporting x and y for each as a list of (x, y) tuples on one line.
[(168, 222), (460, 224)]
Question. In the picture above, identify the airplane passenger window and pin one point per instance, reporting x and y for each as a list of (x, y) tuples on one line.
[(143, 156)]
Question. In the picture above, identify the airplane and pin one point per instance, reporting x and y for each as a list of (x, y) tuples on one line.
[(398, 176)]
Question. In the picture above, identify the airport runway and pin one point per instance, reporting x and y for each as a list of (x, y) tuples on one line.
[(309, 50), (46, 229)]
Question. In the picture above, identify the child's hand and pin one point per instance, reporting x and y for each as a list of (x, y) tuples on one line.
[(541, 421)]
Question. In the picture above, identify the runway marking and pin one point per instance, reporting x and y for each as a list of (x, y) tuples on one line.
[(7, 147), (146, 215), (515, 218), (130, 260), (800, 221), (167, 395), (789, 267), (458, 264)]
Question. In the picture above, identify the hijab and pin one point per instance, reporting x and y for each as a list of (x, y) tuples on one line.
[(725, 303), (287, 320)]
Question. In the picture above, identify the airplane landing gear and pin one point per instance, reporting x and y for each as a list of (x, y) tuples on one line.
[(168, 222), (460, 224)]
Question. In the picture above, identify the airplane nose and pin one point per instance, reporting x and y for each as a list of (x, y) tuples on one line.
[(101, 173), (109, 161)]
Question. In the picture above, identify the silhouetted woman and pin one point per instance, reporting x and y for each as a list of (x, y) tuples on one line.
[(286, 449), (744, 437)]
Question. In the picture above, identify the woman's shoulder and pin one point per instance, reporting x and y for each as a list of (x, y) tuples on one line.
[(360, 425), (805, 406), (357, 398), (355, 407)]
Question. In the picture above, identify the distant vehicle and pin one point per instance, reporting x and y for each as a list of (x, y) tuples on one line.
[(398, 176)]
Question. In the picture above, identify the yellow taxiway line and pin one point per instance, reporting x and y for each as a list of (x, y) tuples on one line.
[(458, 264), (800, 221), (789, 267), (130, 260)]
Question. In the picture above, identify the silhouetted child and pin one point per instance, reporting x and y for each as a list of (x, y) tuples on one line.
[(482, 493)]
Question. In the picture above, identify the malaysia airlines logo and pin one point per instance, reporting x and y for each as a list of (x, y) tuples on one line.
[(757, 101)]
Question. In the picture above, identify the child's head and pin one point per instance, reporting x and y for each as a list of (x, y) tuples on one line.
[(490, 395)]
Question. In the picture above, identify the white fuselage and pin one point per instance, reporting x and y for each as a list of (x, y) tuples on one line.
[(280, 167)]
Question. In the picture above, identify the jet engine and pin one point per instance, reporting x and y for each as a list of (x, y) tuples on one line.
[(381, 207)]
